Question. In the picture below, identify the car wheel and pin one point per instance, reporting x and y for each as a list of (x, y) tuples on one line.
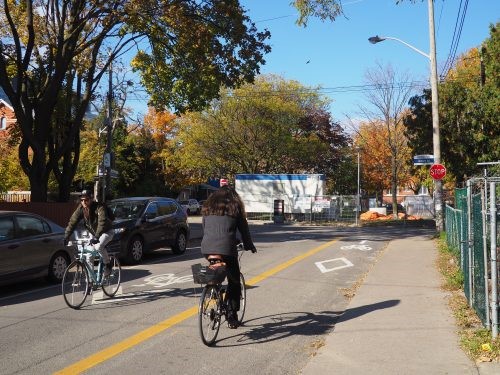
[(179, 247), (57, 266), (135, 250)]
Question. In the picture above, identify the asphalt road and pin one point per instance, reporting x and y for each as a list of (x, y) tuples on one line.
[(299, 279)]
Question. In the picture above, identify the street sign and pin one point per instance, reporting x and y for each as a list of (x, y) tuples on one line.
[(223, 182), (437, 171), (423, 159), (106, 160)]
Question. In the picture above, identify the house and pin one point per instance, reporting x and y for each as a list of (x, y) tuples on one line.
[(7, 116)]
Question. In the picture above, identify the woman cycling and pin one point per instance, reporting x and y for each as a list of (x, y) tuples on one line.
[(223, 215)]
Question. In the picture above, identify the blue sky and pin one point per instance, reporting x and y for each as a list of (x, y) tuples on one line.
[(339, 52)]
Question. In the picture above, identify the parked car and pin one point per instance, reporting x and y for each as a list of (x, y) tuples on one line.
[(144, 224), (388, 206), (191, 206), (30, 247)]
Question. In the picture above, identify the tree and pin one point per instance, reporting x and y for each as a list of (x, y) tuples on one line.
[(388, 98), (469, 99), (53, 55), (271, 126)]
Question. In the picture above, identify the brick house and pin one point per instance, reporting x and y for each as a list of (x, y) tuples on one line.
[(7, 116)]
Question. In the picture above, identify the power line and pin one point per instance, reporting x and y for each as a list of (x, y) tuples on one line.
[(457, 32)]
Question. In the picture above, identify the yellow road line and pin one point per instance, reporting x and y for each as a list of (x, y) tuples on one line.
[(113, 350)]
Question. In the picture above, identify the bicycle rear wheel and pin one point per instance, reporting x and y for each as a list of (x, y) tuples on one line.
[(75, 284), (111, 283), (243, 299), (209, 314)]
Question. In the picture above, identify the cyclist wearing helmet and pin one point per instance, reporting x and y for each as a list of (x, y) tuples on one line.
[(96, 221), (223, 216)]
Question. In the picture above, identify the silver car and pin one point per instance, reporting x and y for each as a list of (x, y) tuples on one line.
[(191, 206), (30, 247)]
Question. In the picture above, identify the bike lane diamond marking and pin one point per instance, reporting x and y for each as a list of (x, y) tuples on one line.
[(160, 281), (344, 263)]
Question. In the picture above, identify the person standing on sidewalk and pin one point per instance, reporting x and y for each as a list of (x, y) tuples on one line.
[(96, 221), (223, 215)]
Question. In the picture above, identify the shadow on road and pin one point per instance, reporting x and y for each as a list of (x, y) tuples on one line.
[(279, 326)]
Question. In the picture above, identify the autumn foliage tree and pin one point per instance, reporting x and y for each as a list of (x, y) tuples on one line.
[(53, 55), (271, 126), (469, 98)]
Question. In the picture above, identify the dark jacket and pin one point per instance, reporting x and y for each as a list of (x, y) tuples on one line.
[(97, 224), (220, 235)]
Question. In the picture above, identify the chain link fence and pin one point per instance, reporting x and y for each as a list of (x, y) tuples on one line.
[(472, 232), (318, 208)]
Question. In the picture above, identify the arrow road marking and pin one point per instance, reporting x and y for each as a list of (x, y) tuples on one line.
[(344, 264)]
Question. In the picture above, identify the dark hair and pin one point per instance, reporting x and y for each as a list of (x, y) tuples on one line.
[(224, 201)]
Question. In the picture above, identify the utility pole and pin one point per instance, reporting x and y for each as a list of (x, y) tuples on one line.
[(107, 157), (436, 142)]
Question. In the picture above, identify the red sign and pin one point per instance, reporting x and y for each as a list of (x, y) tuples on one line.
[(438, 171), (223, 181)]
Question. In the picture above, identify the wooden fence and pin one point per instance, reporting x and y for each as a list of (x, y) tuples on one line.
[(59, 213)]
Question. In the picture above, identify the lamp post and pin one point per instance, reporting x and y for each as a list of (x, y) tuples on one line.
[(438, 187), (358, 201)]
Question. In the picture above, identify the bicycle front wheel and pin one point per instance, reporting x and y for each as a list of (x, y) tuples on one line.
[(209, 314), (75, 284), (243, 300), (111, 283)]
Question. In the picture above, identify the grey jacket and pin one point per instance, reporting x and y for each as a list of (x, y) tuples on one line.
[(220, 235)]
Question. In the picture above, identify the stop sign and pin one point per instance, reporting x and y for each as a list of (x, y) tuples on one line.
[(438, 171)]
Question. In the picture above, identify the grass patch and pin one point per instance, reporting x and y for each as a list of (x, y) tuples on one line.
[(475, 340)]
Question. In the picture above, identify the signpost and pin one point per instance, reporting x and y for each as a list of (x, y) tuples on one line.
[(437, 171)]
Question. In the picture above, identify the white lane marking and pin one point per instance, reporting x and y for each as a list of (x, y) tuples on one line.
[(98, 296), (344, 263), (357, 247)]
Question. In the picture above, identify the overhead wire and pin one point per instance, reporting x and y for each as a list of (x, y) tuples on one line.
[(457, 32)]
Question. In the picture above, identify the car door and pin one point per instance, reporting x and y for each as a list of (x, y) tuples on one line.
[(169, 221), (9, 248), (37, 243), (152, 224)]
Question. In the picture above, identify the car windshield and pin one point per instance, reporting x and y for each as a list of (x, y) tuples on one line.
[(127, 209)]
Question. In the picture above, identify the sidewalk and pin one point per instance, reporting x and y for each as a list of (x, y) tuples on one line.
[(398, 322)]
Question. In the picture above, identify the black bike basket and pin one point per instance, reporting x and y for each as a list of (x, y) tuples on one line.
[(206, 275)]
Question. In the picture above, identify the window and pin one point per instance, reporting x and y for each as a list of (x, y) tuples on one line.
[(30, 226), (6, 228), (152, 210), (167, 208), (3, 123)]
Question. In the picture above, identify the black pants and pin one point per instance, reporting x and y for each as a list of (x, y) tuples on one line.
[(233, 282)]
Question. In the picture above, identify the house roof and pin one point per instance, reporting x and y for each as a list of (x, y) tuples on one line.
[(4, 99)]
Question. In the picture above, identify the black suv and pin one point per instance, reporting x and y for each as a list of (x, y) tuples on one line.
[(143, 224)]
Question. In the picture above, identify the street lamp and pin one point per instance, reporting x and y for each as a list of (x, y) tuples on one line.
[(358, 201), (438, 187)]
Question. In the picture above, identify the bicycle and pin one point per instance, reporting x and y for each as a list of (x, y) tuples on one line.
[(85, 274), (213, 307)]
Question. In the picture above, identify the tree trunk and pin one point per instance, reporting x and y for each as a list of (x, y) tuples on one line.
[(394, 188)]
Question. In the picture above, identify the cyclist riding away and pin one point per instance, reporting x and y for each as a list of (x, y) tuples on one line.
[(223, 214), (97, 222)]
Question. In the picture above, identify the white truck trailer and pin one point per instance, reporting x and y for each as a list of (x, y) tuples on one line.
[(260, 192)]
